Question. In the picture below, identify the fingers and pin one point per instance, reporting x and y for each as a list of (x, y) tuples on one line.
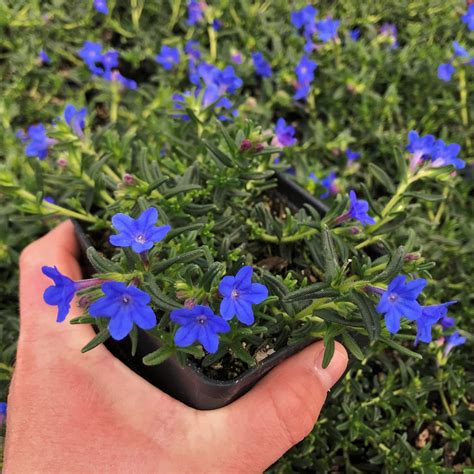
[(38, 319), (282, 409)]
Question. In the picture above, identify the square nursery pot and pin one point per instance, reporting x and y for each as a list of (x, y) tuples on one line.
[(188, 384)]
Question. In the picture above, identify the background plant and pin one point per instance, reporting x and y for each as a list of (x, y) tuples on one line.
[(366, 95)]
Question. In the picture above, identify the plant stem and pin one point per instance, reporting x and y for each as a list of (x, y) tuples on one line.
[(464, 106), (58, 209)]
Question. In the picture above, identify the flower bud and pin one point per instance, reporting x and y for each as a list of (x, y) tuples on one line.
[(245, 145), (128, 179)]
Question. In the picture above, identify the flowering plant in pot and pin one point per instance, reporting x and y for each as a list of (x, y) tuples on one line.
[(206, 266)]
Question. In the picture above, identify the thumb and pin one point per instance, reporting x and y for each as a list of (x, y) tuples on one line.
[(283, 408)]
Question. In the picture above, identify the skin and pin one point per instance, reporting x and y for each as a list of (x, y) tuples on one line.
[(72, 412)]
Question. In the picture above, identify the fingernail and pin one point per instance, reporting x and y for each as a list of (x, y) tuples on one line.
[(333, 372)]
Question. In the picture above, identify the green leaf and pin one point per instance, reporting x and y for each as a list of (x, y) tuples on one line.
[(158, 356), (311, 292), (243, 355), (219, 156), (331, 265), (159, 299), (186, 257), (230, 143), (425, 197), (101, 337), (181, 230), (212, 273), (195, 351), (370, 317), (394, 267), (156, 184), (180, 190), (329, 347), (400, 348), (332, 316), (397, 221), (351, 344), (382, 177), (83, 320), (134, 340), (100, 263)]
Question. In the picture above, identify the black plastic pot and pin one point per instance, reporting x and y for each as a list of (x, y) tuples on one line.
[(188, 384)]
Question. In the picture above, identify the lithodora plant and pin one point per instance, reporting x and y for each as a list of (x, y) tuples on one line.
[(209, 255)]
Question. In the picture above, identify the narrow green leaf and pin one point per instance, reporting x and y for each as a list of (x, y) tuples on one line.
[(329, 347), (394, 267), (158, 356), (186, 257), (331, 265), (83, 320), (219, 156), (382, 177), (101, 263), (101, 337), (352, 345), (400, 348), (370, 317), (180, 190), (425, 197)]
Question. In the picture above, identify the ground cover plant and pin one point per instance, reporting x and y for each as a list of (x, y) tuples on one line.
[(177, 114)]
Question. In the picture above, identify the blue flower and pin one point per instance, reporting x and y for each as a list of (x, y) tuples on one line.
[(452, 341), (114, 75), (236, 57), (141, 233), (354, 34), (305, 70), (262, 67), (76, 119), (3, 411), (445, 71), (420, 147), (468, 17), (304, 17), (43, 57), (459, 50), (49, 199), (240, 294), (216, 24), (195, 11), (37, 142), (61, 293), (101, 6), (429, 316), (327, 182), (168, 57), (358, 209), (302, 91), (352, 155), (191, 49), (327, 29), (198, 324), (226, 80), (284, 134), (389, 31), (447, 322), (110, 59), (400, 300), (444, 155), (91, 53), (124, 305)]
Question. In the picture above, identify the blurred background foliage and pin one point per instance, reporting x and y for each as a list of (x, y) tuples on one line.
[(390, 413)]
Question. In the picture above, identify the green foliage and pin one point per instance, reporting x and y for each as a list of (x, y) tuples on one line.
[(395, 411)]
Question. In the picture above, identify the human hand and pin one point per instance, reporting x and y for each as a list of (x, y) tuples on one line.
[(72, 412)]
